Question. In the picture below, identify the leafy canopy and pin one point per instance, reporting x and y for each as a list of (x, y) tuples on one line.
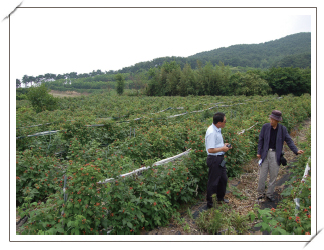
[(41, 100)]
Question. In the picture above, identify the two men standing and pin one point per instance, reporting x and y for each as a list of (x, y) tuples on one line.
[(271, 140)]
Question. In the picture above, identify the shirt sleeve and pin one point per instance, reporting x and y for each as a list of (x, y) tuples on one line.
[(211, 141), (261, 139)]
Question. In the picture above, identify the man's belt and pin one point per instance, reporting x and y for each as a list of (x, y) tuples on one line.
[(215, 155), (272, 149)]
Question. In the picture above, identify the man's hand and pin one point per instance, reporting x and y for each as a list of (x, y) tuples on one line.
[(221, 149), (259, 156), (225, 148), (300, 152)]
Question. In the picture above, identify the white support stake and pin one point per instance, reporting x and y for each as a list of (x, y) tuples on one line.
[(307, 168)]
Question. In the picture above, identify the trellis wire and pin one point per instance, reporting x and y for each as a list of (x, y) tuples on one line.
[(144, 168), (164, 161), (38, 125), (40, 133), (247, 129), (137, 171), (101, 125)]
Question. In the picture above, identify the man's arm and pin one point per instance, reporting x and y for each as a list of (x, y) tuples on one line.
[(211, 144), (260, 143), (221, 149), (291, 143)]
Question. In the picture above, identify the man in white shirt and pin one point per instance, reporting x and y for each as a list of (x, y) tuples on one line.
[(216, 149)]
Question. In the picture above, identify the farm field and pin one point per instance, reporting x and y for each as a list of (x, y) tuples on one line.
[(62, 94), (241, 193), (71, 178)]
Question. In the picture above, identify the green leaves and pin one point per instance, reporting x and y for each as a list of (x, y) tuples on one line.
[(288, 191), (120, 83), (148, 199), (70, 224), (288, 80), (41, 100), (252, 216)]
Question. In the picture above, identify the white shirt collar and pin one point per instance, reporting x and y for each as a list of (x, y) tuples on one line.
[(217, 129)]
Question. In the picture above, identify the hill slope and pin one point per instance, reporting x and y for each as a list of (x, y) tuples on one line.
[(290, 51)]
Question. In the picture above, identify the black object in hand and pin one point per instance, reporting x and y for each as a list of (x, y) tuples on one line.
[(229, 145)]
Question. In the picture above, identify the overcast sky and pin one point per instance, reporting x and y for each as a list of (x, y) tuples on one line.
[(56, 40)]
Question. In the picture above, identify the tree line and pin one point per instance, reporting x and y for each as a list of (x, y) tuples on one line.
[(93, 76), (171, 80)]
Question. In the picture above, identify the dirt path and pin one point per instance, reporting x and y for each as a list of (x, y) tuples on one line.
[(242, 194)]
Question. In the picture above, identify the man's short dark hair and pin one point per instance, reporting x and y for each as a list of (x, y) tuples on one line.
[(218, 117)]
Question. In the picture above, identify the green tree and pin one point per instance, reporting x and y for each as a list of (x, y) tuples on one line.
[(173, 80), (152, 87), (223, 74), (120, 83), (187, 84), (284, 81), (18, 83), (170, 75), (209, 80), (249, 84), (41, 100), (199, 78), (25, 79)]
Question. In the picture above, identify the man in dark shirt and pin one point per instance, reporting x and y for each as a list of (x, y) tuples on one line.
[(271, 140)]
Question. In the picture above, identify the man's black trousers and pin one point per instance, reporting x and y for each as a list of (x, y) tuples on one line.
[(217, 179)]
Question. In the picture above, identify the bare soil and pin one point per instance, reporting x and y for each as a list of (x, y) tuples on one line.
[(61, 94)]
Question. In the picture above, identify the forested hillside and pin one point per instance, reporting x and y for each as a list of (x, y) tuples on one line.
[(263, 55), (290, 51)]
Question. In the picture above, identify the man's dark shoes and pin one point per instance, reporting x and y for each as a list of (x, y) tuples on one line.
[(271, 199)]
